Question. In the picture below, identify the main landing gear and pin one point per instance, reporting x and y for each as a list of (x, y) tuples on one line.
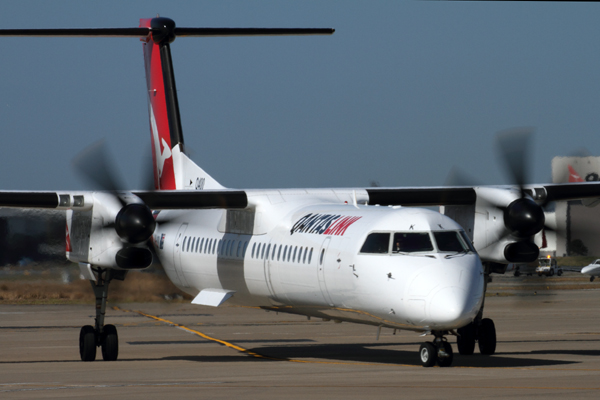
[(483, 331), (437, 352), (100, 335)]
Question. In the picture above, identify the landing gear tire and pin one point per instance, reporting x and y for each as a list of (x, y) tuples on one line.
[(428, 354), (560, 272), (466, 340), (486, 336), (446, 361), (110, 343), (87, 343), (551, 272), (592, 278)]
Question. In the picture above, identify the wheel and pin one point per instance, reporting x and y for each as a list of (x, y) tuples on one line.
[(592, 278), (428, 354), (446, 361), (560, 272), (110, 343), (87, 343), (466, 339), (551, 272), (517, 273), (486, 336)]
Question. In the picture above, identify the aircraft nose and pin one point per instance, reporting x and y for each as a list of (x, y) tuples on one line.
[(453, 307), (446, 294)]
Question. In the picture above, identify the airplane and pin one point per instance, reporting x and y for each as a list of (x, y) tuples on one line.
[(592, 270), (362, 255)]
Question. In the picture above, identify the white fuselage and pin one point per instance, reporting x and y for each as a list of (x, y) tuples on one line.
[(592, 269), (308, 260)]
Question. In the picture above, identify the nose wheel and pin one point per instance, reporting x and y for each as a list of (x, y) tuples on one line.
[(437, 352)]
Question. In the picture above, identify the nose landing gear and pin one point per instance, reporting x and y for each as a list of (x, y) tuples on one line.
[(437, 352)]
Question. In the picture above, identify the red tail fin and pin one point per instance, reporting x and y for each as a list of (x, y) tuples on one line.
[(162, 103), (574, 176)]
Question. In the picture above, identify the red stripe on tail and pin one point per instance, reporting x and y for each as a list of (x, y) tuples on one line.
[(164, 174)]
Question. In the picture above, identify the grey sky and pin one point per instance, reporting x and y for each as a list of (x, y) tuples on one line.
[(400, 93)]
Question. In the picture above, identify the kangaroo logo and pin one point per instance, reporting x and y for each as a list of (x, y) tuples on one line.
[(165, 153)]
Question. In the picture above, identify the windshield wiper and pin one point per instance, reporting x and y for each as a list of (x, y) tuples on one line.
[(458, 254), (414, 255)]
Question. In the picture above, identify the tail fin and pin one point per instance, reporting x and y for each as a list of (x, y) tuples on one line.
[(173, 169), (574, 176)]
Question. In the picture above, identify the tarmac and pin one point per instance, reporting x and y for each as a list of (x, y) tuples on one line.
[(548, 347)]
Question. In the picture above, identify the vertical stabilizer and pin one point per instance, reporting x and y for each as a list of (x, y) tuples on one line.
[(172, 167)]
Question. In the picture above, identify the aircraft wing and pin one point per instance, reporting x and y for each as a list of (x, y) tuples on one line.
[(156, 200), (238, 199), (434, 196)]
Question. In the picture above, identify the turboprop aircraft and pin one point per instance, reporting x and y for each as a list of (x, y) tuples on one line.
[(362, 255)]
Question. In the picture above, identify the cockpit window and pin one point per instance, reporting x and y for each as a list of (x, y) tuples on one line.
[(463, 234), (450, 241), (376, 243), (405, 242)]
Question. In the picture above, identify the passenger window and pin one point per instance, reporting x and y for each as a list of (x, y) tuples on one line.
[(184, 243), (376, 243), (322, 256), (411, 242), (294, 256), (253, 247), (237, 253), (289, 254), (262, 254), (284, 253), (201, 245), (273, 254), (310, 255), (279, 253), (193, 244), (244, 251), (304, 258), (213, 245)]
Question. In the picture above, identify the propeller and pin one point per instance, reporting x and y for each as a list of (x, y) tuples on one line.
[(523, 216), (133, 222)]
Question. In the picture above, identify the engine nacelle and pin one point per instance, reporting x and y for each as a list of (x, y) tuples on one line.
[(501, 225), (110, 234)]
